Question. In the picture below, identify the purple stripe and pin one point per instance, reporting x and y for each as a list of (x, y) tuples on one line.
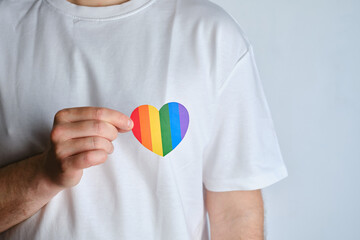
[(184, 120)]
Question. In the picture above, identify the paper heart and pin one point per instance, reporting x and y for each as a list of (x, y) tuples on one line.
[(160, 131)]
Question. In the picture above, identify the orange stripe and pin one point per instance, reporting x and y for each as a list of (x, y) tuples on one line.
[(145, 126)]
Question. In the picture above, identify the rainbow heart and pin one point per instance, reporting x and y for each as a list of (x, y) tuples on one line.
[(160, 131)]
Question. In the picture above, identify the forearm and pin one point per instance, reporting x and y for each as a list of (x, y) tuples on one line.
[(80, 138), (236, 215), (24, 189), (248, 225)]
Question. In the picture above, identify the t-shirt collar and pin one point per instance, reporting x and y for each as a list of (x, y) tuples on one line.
[(100, 13)]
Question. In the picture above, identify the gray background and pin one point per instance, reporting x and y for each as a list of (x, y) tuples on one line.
[(308, 55)]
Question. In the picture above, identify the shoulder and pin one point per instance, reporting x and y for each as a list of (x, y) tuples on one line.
[(16, 5), (12, 11), (215, 23)]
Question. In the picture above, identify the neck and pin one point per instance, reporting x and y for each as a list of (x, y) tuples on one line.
[(97, 3)]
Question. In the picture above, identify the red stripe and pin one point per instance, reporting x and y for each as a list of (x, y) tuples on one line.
[(136, 129)]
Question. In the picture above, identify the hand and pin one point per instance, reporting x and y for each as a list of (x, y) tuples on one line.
[(81, 138)]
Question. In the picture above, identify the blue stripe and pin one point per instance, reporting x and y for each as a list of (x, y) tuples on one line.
[(174, 124)]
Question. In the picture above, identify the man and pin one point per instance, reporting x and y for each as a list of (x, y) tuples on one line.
[(85, 154)]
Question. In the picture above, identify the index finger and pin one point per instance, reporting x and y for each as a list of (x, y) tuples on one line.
[(116, 118)]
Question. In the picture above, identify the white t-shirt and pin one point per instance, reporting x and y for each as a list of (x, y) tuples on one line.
[(188, 53)]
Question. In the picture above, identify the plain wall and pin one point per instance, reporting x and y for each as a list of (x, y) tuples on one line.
[(308, 55)]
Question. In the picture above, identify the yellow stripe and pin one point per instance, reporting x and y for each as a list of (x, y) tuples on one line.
[(155, 130)]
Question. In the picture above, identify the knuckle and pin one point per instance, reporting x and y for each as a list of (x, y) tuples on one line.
[(56, 133), (61, 114), (98, 127), (94, 142), (87, 159), (58, 151), (92, 158), (99, 112), (99, 143)]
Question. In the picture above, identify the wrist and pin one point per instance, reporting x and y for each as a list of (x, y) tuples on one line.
[(44, 184)]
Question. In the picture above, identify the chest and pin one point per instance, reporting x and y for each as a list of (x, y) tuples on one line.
[(53, 70)]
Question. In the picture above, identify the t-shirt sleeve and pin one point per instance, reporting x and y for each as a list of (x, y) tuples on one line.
[(243, 152)]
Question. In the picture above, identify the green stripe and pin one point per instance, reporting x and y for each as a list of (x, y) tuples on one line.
[(165, 129)]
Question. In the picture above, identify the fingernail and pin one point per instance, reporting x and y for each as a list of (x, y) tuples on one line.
[(130, 122)]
